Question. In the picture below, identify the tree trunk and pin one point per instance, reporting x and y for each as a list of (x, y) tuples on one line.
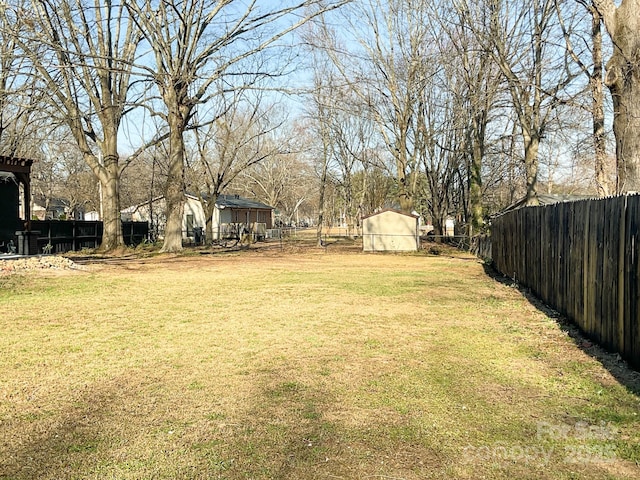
[(475, 178), (112, 223), (174, 188), (107, 172), (596, 81), (623, 80), (625, 90), (209, 208), (438, 228), (404, 194), (531, 146), (323, 186)]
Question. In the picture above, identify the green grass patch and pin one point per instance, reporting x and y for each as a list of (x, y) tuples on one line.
[(300, 366)]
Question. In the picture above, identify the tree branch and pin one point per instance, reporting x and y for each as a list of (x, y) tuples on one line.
[(608, 11)]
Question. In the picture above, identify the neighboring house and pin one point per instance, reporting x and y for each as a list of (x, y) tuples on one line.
[(232, 216), (390, 231), (448, 228), (233, 211), (53, 209), (546, 199)]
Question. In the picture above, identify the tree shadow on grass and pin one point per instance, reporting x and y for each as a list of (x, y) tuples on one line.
[(297, 431), (56, 444), (611, 361)]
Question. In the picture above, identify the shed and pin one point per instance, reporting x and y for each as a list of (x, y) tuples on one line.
[(390, 231)]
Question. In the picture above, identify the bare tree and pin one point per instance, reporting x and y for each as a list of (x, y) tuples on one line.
[(475, 82), (385, 59), (439, 143), (596, 82), (62, 175), (373, 185), (237, 140), (521, 38), (22, 112), (271, 180), (623, 79), (83, 54), (285, 180), (320, 113), (196, 43), (347, 127), (594, 74)]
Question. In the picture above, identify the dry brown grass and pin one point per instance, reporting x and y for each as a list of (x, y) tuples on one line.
[(316, 365)]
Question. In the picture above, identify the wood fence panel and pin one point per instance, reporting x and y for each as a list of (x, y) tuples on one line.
[(562, 223), (575, 278), (600, 221), (583, 259), (589, 278), (631, 290)]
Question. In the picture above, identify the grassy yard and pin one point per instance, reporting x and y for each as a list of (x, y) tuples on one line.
[(313, 365)]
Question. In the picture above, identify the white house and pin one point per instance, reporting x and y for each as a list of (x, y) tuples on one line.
[(232, 213), (390, 231)]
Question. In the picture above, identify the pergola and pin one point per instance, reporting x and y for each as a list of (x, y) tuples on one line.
[(21, 169)]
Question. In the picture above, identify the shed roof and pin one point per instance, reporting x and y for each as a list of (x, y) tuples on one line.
[(546, 199), (393, 210)]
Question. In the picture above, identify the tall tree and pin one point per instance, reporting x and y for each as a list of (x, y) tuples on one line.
[(321, 114), (83, 53), (596, 82), (386, 57), (594, 73), (623, 79), (196, 43), (285, 180), (476, 82), (521, 38), (439, 144), (22, 110)]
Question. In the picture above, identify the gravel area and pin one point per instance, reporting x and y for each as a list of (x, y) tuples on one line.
[(45, 262)]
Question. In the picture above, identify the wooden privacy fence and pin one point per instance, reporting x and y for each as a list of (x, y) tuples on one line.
[(59, 236), (582, 259)]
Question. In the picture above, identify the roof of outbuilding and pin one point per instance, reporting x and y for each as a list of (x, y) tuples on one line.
[(223, 201), (236, 201), (393, 210), (546, 199)]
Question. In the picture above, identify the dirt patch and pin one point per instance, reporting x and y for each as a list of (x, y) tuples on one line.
[(49, 262)]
